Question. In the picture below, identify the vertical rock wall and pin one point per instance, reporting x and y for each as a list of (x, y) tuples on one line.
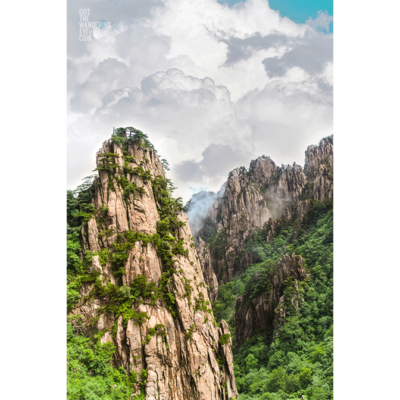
[(176, 342), (208, 272), (319, 168)]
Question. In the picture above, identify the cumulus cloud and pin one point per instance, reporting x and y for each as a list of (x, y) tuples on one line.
[(196, 117), (187, 109), (213, 86), (311, 53), (109, 75), (321, 21), (217, 161), (280, 111), (116, 12), (242, 49)]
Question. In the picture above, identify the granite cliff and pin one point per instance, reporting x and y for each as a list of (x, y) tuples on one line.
[(256, 199), (261, 200), (144, 289)]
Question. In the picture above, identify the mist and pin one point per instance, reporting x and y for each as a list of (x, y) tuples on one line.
[(197, 209)]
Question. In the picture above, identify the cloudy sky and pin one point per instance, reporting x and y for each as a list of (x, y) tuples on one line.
[(213, 83)]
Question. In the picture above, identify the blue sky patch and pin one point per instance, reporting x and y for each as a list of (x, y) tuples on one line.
[(297, 10)]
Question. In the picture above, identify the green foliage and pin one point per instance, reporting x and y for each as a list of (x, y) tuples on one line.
[(129, 135), (209, 229), (79, 211), (143, 376), (217, 243), (224, 306), (89, 372), (121, 299), (130, 187), (225, 339), (165, 164), (74, 249), (201, 304), (79, 202), (158, 330), (189, 334), (251, 362), (219, 217), (188, 290), (297, 358), (125, 291), (106, 233)]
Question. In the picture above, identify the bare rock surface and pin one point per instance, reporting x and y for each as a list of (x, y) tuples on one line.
[(209, 275), (319, 168)]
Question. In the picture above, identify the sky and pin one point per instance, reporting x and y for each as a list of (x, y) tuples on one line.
[(297, 10), (214, 85)]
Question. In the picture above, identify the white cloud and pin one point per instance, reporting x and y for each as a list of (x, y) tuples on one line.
[(212, 85), (321, 21), (189, 113), (286, 117)]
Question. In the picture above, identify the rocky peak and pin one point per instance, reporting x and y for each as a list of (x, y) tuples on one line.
[(243, 196), (261, 195), (319, 168), (144, 290), (263, 170), (319, 157)]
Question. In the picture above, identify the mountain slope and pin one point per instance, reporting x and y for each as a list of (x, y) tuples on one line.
[(255, 198), (267, 239)]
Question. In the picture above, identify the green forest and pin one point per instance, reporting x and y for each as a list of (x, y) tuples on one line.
[(300, 361)]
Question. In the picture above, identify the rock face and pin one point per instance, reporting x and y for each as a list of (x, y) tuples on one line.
[(319, 168), (171, 334), (257, 198), (209, 275), (263, 312), (294, 212)]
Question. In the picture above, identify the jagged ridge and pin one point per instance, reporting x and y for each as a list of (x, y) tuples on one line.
[(256, 199)]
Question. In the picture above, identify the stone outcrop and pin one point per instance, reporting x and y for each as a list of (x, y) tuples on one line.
[(258, 198), (209, 275), (319, 168), (296, 212), (177, 342), (263, 312)]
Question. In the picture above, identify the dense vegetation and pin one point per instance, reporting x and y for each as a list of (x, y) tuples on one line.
[(300, 360)]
